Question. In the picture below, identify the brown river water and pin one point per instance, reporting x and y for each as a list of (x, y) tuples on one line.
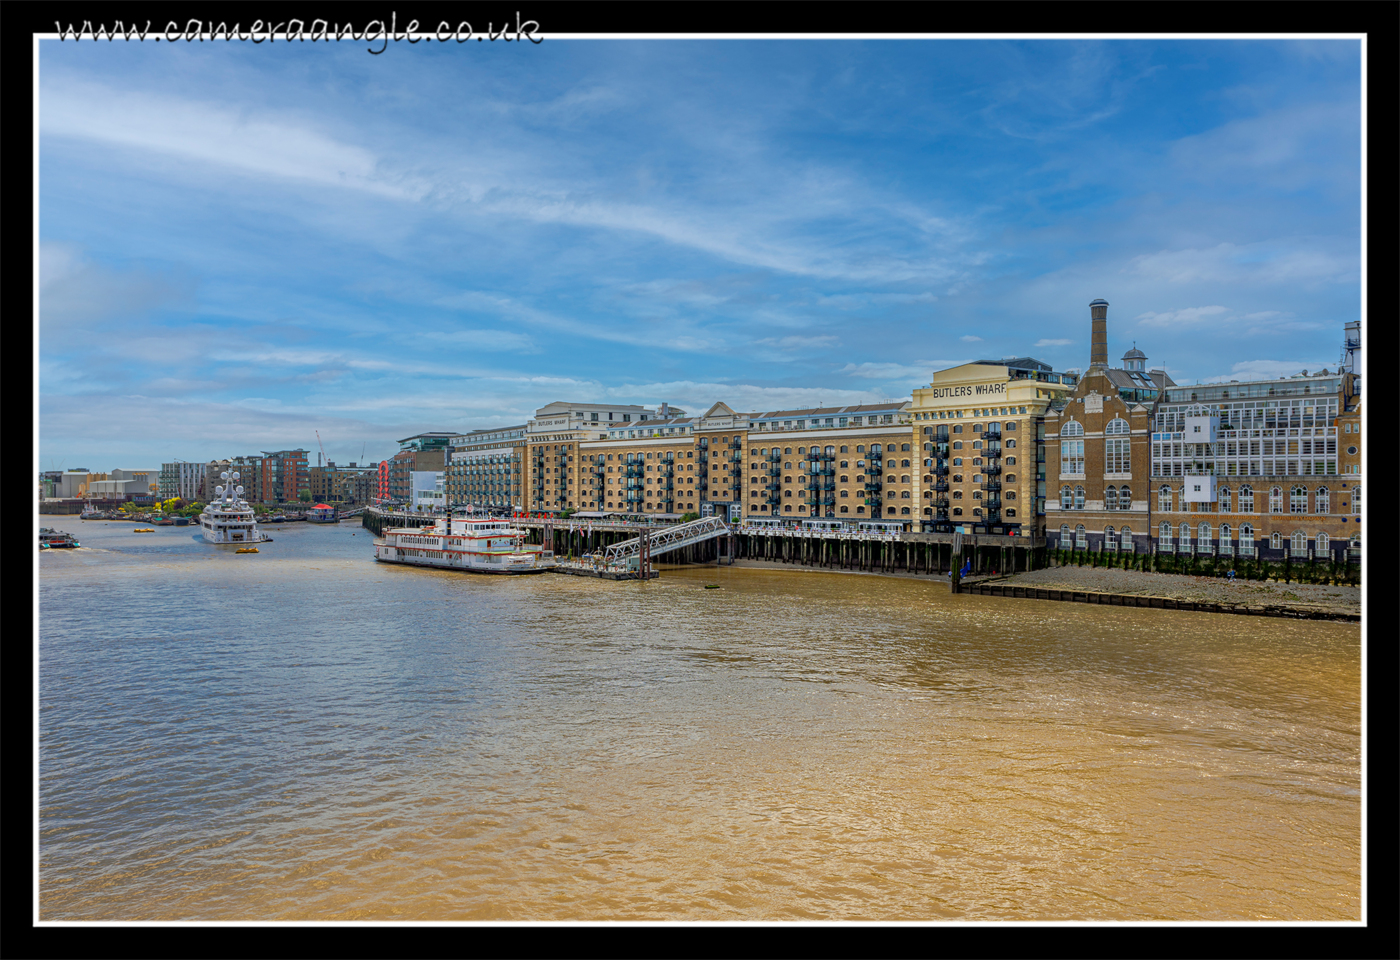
[(304, 734)]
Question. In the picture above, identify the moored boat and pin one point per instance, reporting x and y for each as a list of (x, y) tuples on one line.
[(453, 543)]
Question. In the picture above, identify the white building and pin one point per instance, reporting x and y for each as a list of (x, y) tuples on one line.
[(429, 489), (123, 484)]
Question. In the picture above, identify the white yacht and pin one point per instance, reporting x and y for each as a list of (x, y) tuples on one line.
[(229, 519), (477, 546)]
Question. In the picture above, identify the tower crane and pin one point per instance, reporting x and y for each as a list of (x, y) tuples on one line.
[(321, 445)]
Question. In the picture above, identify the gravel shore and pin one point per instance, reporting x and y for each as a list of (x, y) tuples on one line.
[(1302, 596)]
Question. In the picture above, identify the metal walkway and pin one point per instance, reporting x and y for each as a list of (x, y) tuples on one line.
[(670, 538)]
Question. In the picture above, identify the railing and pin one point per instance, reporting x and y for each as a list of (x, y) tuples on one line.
[(670, 538)]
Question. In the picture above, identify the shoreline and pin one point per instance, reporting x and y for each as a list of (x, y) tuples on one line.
[(1116, 587)]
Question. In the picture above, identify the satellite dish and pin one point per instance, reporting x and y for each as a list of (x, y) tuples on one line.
[(218, 491), (224, 475), (238, 490), (235, 475)]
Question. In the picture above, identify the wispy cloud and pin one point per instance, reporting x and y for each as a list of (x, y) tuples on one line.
[(1053, 343), (217, 134), (1183, 317)]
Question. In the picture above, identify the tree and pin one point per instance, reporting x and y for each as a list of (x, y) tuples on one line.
[(304, 496), (687, 517)]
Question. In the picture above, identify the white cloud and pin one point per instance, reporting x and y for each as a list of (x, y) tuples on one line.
[(1183, 317), (969, 338), (890, 371), (1270, 369), (1275, 262), (798, 343), (1053, 343), (205, 132)]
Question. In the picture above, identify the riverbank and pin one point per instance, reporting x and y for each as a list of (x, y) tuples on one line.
[(1302, 598)]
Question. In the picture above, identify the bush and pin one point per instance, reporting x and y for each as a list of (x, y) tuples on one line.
[(687, 517)]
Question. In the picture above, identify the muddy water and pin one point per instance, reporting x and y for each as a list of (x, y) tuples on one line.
[(303, 734)]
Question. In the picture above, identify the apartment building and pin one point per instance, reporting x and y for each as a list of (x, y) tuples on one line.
[(486, 469), (979, 429)]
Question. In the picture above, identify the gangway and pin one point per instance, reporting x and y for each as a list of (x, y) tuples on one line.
[(669, 538)]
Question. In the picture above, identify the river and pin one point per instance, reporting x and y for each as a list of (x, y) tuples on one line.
[(304, 734)]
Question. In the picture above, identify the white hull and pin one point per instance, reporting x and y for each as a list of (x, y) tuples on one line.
[(471, 546)]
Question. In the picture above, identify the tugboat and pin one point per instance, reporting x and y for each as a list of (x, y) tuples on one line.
[(229, 519)]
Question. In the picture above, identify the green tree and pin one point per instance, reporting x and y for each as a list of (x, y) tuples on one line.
[(687, 517), (304, 496)]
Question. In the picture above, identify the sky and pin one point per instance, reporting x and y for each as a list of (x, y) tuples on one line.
[(243, 245)]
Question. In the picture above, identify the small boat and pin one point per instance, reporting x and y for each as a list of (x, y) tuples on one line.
[(246, 550), (167, 522), (144, 530), (50, 539)]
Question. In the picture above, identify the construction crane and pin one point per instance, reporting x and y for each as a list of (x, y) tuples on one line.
[(321, 445)]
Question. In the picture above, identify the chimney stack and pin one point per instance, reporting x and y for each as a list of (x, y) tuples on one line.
[(1098, 350)]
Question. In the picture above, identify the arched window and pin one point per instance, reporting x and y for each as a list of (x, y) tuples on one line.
[(845, 509), (1224, 500), (1224, 534), (1125, 537), (1080, 540), (1110, 536), (1185, 536), (1246, 539), (1125, 498), (1164, 499), (1276, 541), (1164, 535), (904, 510), (1066, 498), (1072, 451), (1276, 499), (977, 444), (1079, 498), (1011, 513), (957, 444), (904, 447), (1300, 543), (1064, 536), (1203, 534), (1323, 545), (1322, 501), (1117, 458), (1298, 500), (1110, 498), (1246, 499), (1356, 499), (957, 511)]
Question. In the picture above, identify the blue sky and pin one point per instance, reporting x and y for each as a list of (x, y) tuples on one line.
[(241, 244)]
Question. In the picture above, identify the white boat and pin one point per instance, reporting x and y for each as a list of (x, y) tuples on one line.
[(229, 518), (476, 546)]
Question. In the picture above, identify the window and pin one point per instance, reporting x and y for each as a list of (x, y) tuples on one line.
[(957, 511), (1185, 537), (1164, 499), (1276, 499), (1356, 499), (1164, 535), (1109, 536), (1300, 543), (1203, 534), (1110, 498), (1323, 545), (1224, 499), (1323, 503), (1246, 499), (1079, 498), (957, 444), (1116, 448), (1276, 541), (1125, 539), (1080, 540), (1125, 498), (1224, 533), (1298, 500), (1064, 535), (1072, 451)]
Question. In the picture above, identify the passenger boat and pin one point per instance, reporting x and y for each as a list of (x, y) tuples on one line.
[(50, 539), (455, 543), (229, 519)]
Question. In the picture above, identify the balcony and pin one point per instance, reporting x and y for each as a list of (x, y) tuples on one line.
[(941, 486)]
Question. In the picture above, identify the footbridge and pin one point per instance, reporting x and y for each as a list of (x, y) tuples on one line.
[(669, 538)]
